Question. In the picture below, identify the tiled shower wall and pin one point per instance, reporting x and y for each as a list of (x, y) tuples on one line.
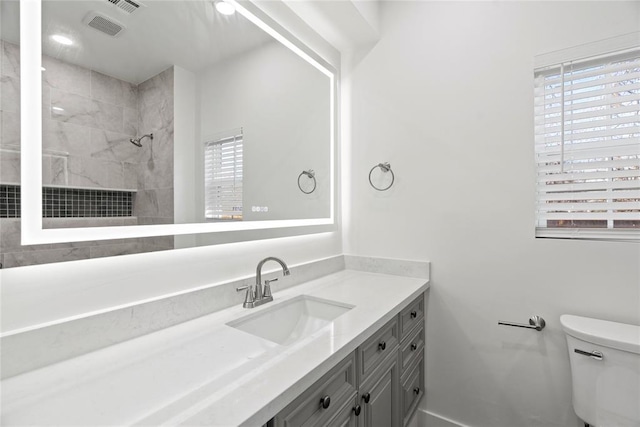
[(154, 200), (88, 119)]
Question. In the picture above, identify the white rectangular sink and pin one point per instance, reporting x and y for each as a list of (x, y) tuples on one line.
[(290, 321)]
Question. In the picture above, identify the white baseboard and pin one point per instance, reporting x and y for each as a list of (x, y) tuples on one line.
[(429, 419)]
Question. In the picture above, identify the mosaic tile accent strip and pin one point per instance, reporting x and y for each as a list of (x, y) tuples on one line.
[(70, 202), (9, 201)]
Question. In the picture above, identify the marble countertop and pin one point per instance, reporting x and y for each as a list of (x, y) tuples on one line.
[(203, 372)]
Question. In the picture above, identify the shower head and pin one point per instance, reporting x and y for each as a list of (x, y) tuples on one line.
[(137, 141)]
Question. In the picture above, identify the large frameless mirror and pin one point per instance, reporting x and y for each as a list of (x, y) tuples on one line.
[(159, 118)]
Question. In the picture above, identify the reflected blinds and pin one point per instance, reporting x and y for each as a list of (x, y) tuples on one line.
[(587, 145), (223, 178)]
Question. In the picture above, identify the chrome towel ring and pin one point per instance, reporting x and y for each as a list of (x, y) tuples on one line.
[(385, 167), (311, 175)]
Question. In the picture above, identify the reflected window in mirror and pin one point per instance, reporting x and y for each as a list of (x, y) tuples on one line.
[(223, 177)]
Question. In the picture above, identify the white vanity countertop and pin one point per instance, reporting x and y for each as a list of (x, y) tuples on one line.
[(203, 372)]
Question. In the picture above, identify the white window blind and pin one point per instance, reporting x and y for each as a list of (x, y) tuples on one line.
[(223, 178), (587, 145)]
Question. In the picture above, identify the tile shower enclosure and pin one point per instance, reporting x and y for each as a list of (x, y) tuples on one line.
[(88, 119)]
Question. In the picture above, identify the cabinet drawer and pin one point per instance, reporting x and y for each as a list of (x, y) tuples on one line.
[(411, 347), (375, 349), (412, 385), (338, 385), (411, 316), (345, 416)]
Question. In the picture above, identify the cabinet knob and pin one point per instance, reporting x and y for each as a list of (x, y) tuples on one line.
[(382, 345), (325, 402), (414, 346), (366, 397), (414, 314), (357, 409), (416, 390)]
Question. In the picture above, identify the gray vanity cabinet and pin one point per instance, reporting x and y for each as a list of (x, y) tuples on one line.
[(380, 384), (379, 396), (324, 402)]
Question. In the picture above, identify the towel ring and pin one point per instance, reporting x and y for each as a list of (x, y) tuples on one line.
[(386, 167), (311, 175)]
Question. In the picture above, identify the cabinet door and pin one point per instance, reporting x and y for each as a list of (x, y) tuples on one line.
[(380, 397), (323, 400)]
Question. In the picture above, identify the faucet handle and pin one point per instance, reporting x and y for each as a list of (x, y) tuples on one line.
[(267, 287), (250, 297)]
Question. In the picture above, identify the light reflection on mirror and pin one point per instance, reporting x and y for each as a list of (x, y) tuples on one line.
[(138, 106)]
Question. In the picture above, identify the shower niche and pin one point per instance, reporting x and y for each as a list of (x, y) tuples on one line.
[(160, 121)]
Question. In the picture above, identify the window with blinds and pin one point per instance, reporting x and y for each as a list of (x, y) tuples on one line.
[(223, 178), (587, 147)]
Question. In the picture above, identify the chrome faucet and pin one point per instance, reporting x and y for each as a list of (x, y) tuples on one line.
[(258, 295)]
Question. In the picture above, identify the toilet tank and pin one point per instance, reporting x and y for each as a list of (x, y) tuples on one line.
[(606, 389)]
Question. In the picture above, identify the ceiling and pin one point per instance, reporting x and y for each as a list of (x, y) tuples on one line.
[(161, 33)]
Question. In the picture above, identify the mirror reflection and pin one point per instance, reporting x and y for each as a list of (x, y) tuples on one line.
[(163, 112)]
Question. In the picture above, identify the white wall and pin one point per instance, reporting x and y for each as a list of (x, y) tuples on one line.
[(446, 96), (282, 104)]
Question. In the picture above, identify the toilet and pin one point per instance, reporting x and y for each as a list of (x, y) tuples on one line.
[(605, 370)]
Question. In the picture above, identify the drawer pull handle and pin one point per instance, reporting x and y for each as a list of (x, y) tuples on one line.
[(414, 347), (356, 410), (414, 314), (366, 397), (416, 390), (382, 346), (325, 402)]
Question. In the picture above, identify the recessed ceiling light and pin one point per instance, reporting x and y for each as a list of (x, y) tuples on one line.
[(224, 7), (62, 39)]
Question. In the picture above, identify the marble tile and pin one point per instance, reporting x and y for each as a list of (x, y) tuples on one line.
[(105, 250), (114, 91), (157, 203), (157, 161), (20, 259), (10, 60), (156, 89), (154, 117), (46, 102), (417, 269), (130, 123), (59, 136), (131, 175), (59, 171), (9, 166), (86, 172), (10, 90), (70, 108), (9, 234), (66, 77), (46, 170), (112, 146), (10, 129), (115, 174), (130, 95), (160, 243)]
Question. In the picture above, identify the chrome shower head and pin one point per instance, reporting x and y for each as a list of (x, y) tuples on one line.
[(137, 141)]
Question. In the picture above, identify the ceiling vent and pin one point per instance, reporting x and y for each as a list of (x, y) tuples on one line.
[(104, 24), (128, 6)]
